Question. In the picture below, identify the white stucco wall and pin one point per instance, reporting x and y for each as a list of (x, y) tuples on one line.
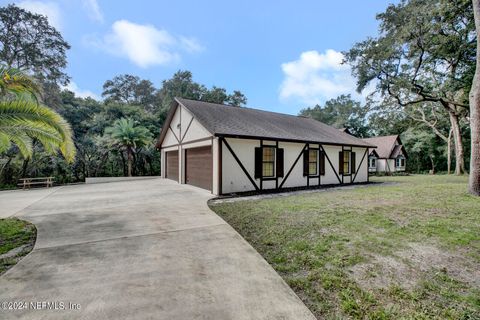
[(235, 180)]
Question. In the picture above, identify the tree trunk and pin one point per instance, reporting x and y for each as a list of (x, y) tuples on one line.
[(449, 152), (457, 141), (433, 164), (129, 160), (24, 168), (123, 163), (2, 179), (474, 180)]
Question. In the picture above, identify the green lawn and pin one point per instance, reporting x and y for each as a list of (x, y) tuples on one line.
[(15, 233), (409, 248)]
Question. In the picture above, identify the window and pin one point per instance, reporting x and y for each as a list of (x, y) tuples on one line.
[(373, 163), (400, 162), (312, 162), (346, 162), (268, 161)]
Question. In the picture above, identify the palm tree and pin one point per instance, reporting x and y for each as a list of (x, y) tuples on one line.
[(129, 137), (23, 118)]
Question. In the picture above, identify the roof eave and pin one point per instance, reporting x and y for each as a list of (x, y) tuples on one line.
[(226, 135)]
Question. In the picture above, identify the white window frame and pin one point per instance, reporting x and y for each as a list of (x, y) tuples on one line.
[(398, 162)]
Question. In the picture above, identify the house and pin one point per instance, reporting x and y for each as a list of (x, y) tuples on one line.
[(389, 156), (228, 149)]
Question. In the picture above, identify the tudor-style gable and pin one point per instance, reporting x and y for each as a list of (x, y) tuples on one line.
[(181, 127)]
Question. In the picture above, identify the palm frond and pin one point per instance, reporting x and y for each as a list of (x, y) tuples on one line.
[(17, 82), (39, 122)]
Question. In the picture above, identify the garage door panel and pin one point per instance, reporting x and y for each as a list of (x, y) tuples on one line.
[(199, 167), (172, 165)]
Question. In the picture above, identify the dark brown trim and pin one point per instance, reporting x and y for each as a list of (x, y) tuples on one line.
[(293, 166), (220, 157), (169, 127), (276, 173), (180, 128), (368, 169), (186, 130), (288, 140), (358, 168), (331, 166), (261, 175), (241, 165), (308, 168)]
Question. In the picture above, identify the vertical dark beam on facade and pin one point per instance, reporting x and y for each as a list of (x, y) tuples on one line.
[(343, 174), (320, 150), (276, 174), (308, 169), (368, 166), (220, 178), (261, 176)]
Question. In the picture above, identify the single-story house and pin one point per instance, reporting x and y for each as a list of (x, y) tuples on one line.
[(389, 156), (228, 149)]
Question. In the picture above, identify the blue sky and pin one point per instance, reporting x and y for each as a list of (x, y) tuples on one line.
[(283, 55)]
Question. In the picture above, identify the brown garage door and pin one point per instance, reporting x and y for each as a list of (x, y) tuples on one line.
[(172, 165), (199, 167)]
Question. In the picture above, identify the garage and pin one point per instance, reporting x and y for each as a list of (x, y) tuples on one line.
[(198, 167), (172, 165)]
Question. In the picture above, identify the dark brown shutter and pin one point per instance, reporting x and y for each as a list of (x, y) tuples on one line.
[(305, 162), (258, 162), (279, 162), (353, 161), (322, 162), (340, 162)]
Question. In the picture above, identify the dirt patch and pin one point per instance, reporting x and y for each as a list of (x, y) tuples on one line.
[(456, 265), (406, 267)]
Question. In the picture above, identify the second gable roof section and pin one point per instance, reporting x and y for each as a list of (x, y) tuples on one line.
[(385, 145), (224, 120)]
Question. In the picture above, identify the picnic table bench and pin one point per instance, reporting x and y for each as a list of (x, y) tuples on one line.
[(26, 183)]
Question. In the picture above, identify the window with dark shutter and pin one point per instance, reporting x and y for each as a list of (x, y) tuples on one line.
[(258, 163), (353, 165), (268, 162), (340, 162), (322, 163), (345, 162), (280, 164), (305, 162), (312, 162)]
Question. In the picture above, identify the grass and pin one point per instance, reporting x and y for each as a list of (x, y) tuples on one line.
[(408, 249), (15, 233)]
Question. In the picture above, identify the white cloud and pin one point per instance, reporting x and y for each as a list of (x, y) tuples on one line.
[(191, 44), (316, 77), (46, 8), (93, 10), (72, 86), (144, 44)]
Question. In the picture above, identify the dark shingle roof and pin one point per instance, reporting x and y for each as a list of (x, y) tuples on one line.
[(223, 120), (385, 145)]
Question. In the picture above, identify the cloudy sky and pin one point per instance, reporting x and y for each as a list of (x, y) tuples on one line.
[(283, 55)]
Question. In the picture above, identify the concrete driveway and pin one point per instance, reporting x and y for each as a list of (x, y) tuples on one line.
[(148, 249)]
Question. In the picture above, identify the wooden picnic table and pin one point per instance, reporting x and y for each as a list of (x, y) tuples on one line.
[(26, 183)]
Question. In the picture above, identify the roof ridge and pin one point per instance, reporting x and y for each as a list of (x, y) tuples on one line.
[(248, 108)]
